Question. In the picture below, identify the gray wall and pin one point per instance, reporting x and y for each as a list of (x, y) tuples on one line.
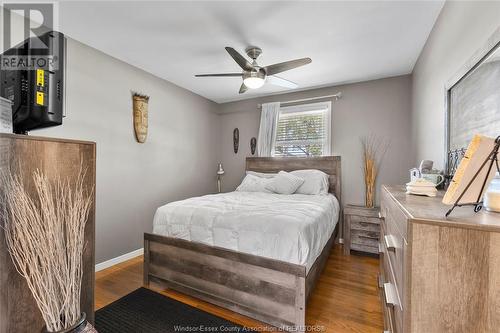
[(462, 28), (187, 138), (178, 160), (380, 107)]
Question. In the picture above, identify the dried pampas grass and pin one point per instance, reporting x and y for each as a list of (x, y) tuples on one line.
[(374, 149), (45, 236)]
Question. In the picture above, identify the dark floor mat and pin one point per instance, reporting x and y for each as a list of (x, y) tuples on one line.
[(145, 311)]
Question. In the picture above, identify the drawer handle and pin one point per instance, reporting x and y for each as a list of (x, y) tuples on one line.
[(390, 243), (380, 248), (367, 224), (380, 215), (390, 295), (368, 237)]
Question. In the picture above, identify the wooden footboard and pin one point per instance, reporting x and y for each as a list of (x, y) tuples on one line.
[(272, 291)]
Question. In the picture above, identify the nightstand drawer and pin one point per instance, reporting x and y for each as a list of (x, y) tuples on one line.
[(361, 223), (362, 240), (361, 229)]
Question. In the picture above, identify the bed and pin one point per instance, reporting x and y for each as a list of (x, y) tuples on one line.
[(255, 267)]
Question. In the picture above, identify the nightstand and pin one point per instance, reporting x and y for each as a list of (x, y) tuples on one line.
[(361, 229)]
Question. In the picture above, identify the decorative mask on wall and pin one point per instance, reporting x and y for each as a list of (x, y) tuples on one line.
[(140, 105), (253, 145), (236, 140)]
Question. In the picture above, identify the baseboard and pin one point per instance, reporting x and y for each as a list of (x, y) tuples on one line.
[(119, 259)]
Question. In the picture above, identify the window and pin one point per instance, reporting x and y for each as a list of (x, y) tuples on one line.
[(303, 130)]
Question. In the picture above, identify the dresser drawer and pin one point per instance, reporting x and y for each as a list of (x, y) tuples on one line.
[(388, 313), (391, 212), (392, 300), (395, 248), (363, 240), (393, 315)]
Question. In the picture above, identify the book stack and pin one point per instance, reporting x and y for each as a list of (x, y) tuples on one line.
[(421, 186), (5, 115)]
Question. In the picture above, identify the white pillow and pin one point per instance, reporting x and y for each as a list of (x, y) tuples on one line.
[(253, 183), (315, 182), (261, 174), (284, 183)]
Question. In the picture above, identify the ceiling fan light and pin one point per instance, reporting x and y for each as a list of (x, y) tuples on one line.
[(253, 82)]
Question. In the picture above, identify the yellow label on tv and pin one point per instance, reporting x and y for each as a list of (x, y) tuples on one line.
[(40, 77), (40, 96)]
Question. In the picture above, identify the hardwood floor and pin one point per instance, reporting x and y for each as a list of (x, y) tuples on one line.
[(345, 299)]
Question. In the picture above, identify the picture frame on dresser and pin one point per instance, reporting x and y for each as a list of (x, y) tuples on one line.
[(474, 89)]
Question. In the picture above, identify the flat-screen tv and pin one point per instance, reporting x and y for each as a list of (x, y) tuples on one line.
[(32, 77)]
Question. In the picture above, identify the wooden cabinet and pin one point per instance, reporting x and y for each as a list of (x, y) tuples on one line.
[(362, 229), (22, 155), (437, 274)]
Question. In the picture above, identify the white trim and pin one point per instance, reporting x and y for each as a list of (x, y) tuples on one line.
[(336, 96), (304, 108), (119, 259)]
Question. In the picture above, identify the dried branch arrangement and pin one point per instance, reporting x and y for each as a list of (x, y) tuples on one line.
[(374, 149), (45, 237)]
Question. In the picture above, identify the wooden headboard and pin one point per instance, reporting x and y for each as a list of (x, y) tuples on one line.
[(328, 164)]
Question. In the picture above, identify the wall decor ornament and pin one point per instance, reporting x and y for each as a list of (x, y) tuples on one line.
[(140, 106), (236, 140), (253, 145)]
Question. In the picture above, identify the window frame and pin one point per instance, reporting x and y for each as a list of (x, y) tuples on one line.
[(305, 108)]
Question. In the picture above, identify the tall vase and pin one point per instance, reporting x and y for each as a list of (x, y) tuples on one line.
[(370, 195)]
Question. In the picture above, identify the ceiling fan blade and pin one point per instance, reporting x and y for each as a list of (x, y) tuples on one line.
[(243, 88), (219, 75), (287, 65), (244, 64), (281, 82)]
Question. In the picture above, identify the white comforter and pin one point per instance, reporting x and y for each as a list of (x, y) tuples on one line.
[(292, 228)]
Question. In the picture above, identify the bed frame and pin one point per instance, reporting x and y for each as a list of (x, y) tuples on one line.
[(271, 291)]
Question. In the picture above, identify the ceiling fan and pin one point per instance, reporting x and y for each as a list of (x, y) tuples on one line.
[(254, 76)]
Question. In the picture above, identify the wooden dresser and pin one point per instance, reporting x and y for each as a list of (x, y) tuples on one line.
[(438, 275), (22, 155)]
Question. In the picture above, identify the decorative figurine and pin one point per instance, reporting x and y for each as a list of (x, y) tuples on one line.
[(140, 105), (236, 140), (253, 145)]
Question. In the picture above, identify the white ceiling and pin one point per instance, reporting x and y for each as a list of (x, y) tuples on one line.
[(347, 41)]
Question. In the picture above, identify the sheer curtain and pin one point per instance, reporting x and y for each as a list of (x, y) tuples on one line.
[(267, 130)]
